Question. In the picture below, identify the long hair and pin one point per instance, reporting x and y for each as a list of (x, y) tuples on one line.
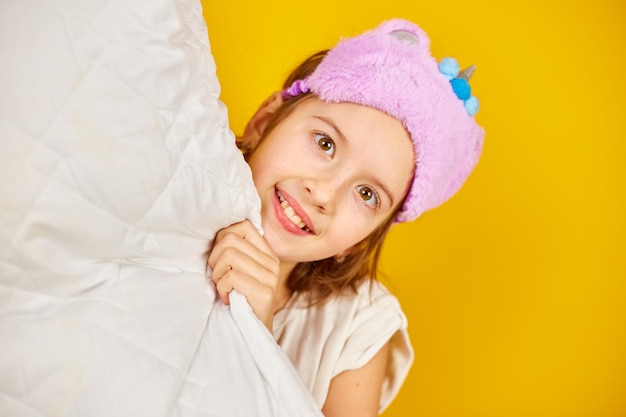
[(319, 280)]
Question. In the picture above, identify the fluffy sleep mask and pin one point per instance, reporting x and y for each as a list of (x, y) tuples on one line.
[(390, 69)]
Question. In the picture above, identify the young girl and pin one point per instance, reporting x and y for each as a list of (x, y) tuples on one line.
[(370, 133)]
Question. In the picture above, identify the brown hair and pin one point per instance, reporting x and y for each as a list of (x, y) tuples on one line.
[(321, 279)]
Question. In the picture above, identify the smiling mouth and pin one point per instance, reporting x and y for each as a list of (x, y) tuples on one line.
[(290, 213)]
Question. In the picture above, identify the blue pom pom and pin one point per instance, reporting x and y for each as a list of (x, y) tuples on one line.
[(471, 105), (449, 67), (461, 88)]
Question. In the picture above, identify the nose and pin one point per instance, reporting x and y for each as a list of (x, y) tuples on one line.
[(322, 193)]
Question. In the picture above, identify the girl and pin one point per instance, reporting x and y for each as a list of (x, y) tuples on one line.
[(370, 133)]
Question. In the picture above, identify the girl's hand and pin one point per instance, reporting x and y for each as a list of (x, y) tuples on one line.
[(241, 260)]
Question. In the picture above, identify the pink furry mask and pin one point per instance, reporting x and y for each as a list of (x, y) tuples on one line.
[(390, 69)]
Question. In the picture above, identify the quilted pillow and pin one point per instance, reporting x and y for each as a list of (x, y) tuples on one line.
[(117, 168)]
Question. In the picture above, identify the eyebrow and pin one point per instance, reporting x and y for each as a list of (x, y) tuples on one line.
[(342, 137), (333, 126)]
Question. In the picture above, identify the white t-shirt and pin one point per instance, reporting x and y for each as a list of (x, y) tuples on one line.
[(343, 334)]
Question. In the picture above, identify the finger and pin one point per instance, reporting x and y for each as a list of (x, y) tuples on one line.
[(239, 253), (224, 287), (218, 249), (233, 259), (248, 232), (221, 269), (223, 237), (241, 228), (259, 296)]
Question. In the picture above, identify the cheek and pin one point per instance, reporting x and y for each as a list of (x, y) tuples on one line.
[(263, 171), (350, 230)]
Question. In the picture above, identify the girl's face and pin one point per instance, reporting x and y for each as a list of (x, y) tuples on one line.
[(328, 175)]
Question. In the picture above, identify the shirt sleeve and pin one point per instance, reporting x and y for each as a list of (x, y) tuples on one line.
[(377, 320)]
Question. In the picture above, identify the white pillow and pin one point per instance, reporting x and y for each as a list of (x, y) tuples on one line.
[(117, 168)]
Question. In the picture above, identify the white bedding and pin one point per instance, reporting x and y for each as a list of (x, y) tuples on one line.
[(117, 168)]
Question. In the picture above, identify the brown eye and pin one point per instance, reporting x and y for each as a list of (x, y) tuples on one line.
[(368, 195), (325, 143)]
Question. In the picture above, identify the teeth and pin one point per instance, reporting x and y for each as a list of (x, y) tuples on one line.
[(291, 213)]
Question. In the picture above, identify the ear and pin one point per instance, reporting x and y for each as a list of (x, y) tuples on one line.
[(257, 124)]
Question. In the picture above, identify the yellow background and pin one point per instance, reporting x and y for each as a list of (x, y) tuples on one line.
[(514, 289)]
